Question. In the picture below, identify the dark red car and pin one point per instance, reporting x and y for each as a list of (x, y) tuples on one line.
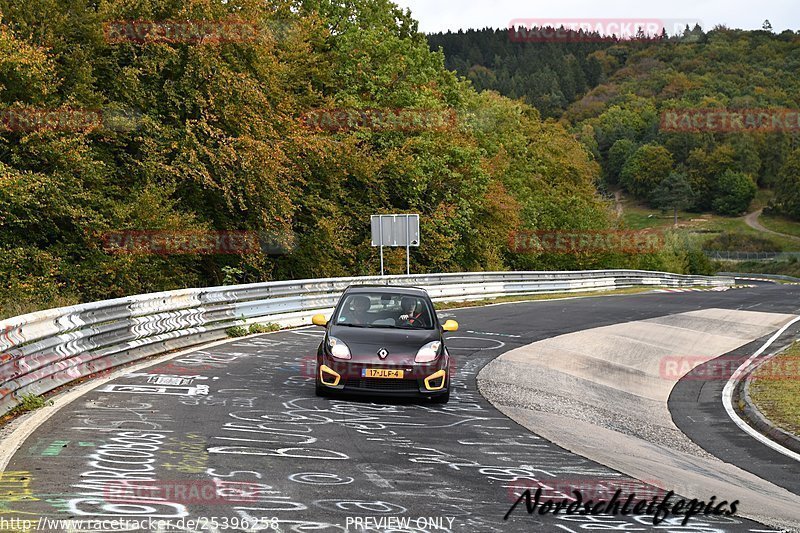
[(384, 340)]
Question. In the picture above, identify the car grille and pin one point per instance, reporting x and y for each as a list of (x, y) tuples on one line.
[(408, 385)]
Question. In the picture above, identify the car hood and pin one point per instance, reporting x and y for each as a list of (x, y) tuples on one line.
[(402, 344)]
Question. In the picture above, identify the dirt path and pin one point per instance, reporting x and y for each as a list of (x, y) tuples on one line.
[(752, 221)]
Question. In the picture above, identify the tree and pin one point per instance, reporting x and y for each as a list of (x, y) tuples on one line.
[(618, 155), (697, 34), (633, 119), (734, 192), (631, 87), (787, 193), (704, 167), (224, 142), (674, 192), (645, 169)]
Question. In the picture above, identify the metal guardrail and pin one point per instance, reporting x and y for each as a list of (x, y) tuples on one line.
[(759, 277), (44, 350), (750, 256)]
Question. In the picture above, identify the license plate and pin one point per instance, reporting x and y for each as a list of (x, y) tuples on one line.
[(382, 373)]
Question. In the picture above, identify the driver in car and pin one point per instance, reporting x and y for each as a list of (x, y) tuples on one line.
[(411, 312)]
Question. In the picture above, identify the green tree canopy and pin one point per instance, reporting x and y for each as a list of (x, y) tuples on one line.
[(217, 141), (618, 155), (787, 194), (673, 193), (734, 192), (645, 169)]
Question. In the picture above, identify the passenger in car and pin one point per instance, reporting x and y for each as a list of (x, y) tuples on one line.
[(360, 306)]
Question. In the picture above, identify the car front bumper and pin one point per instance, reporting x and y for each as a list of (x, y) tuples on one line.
[(418, 380)]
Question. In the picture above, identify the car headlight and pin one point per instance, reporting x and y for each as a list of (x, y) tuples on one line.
[(428, 353), (338, 349)]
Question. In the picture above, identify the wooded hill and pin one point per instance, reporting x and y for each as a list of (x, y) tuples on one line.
[(613, 95)]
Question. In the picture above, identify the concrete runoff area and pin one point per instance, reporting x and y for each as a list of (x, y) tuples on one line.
[(602, 393)]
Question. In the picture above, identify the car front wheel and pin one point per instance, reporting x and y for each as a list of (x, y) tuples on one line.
[(320, 389), (442, 398)]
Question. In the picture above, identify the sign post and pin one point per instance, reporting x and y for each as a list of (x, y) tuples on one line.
[(380, 223), (394, 231)]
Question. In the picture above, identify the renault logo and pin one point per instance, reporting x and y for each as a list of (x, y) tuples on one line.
[(382, 353)]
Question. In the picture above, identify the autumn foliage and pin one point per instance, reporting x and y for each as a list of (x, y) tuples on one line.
[(202, 134)]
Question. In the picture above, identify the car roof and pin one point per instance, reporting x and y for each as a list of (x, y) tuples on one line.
[(410, 291)]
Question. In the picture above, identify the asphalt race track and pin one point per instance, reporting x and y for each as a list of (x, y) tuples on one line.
[(234, 433), (696, 409)]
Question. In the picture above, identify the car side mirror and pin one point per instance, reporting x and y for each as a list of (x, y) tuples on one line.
[(319, 320), (450, 325)]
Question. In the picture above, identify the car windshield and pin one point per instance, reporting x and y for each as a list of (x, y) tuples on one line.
[(384, 310)]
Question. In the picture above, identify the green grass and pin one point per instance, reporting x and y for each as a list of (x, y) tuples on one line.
[(441, 306), (742, 242), (775, 389), (253, 329), (780, 224), (30, 402), (781, 268), (263, 328), (706, 225), (236, 331), (640, 217)]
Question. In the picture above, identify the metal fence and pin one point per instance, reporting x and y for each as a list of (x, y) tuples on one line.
[(47, 349)]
